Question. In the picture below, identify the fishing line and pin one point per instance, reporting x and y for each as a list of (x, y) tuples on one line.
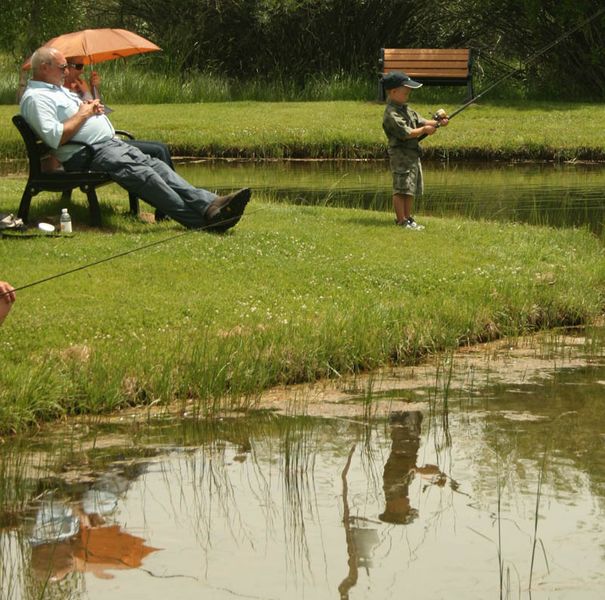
[(120, 254), (530, 60), (533, 57)]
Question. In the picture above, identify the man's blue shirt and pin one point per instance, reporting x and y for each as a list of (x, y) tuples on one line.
[(46, 107)]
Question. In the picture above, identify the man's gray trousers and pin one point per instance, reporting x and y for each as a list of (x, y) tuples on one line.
[(149, 178)]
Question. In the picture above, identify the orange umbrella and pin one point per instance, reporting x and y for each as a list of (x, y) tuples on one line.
[(94, 550), (98, 45)]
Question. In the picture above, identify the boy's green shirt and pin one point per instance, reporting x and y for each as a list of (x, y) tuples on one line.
[(397, 123)]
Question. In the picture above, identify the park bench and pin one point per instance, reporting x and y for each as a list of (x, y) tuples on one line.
[(430, 66), (61, 181)]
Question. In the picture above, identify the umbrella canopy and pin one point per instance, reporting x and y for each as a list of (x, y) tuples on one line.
[(98, 45), (94, 550)]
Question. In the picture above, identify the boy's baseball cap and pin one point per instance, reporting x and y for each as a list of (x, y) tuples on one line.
[(396, 79)]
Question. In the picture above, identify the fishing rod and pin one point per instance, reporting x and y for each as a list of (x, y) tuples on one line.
[(120, 254), (441, 114)]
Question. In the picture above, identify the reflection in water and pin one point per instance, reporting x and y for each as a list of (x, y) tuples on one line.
[(399, 472), (399, 468), (561, 195), (75, 537), (257, 507), (96, 548)]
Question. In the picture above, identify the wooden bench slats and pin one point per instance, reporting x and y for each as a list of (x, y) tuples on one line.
[(429, 52), (460, 64), (431, 66), (428, 71), (446, 64)]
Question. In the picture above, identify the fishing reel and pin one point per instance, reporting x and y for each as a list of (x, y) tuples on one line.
[(439, 116)]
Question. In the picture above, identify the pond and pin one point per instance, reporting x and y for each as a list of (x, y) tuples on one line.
[(559, 195), (475, 475), (544, 194)]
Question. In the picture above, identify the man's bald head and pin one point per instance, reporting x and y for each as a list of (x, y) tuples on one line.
[(48, 64)]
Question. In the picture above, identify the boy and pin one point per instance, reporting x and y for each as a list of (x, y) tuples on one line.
[(403, 126)]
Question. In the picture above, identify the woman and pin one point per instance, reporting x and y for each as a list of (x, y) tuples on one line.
[(90, 90)]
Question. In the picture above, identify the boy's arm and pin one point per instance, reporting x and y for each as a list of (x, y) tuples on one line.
[(398, 127)]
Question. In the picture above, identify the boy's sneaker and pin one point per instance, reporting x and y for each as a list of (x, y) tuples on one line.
[(411, 224)]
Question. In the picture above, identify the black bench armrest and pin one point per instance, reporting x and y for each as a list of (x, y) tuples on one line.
[(125, 134)]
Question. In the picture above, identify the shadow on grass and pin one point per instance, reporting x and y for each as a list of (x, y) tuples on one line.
[(115, 217), (371, 220)]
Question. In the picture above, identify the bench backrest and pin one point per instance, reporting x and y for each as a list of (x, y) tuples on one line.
[(36, 148), (429, 65)]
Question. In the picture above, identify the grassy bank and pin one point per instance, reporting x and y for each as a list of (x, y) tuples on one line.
[(293, 294), (540, 131)]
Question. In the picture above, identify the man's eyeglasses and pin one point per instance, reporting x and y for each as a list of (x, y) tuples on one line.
[(76, 66), (60, 67)]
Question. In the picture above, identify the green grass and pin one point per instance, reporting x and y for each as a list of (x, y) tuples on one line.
[(349, 129), (294, 293), (291, 295)]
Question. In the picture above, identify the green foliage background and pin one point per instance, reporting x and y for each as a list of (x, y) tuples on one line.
[(293, 40)]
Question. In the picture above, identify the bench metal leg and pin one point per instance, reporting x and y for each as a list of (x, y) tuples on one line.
[(380, 89), (134, 204), (93, 204), (25, 203)]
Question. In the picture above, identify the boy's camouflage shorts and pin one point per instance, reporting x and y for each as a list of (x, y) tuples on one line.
[(407, 175)]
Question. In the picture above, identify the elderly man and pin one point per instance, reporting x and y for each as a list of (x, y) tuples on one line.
[(60, 118)]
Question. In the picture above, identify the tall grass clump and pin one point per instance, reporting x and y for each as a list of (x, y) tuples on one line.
[(9, 80), (133, 81)]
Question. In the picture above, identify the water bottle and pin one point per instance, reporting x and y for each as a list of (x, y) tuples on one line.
[(65, 221)]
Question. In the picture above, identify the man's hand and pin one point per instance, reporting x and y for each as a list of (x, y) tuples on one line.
[(91, 108), (7, 292), (86, 110)]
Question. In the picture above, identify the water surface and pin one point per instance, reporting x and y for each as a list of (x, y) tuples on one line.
[(539, 193), (546, 194), (486, 478)]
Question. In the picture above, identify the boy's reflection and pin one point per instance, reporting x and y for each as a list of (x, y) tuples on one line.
[(400, 467), (399, 470)]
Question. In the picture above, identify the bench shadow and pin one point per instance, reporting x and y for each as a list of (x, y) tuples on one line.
[(116, 216)]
